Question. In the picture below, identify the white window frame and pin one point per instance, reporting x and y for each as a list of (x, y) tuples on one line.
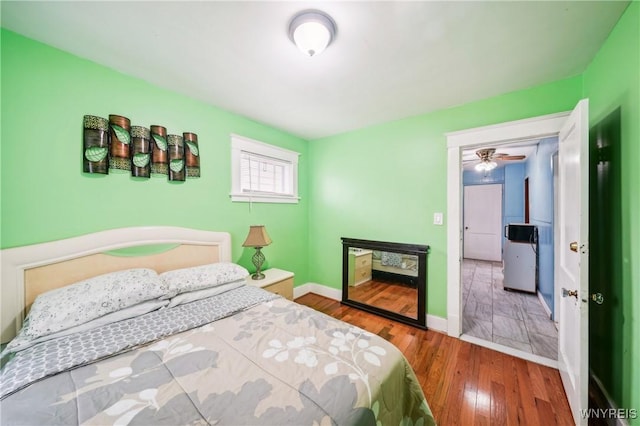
[(240, 144)]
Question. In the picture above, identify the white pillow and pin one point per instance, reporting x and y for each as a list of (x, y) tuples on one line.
[(86, 300), (201, 277), (23, 341), (192, 296)]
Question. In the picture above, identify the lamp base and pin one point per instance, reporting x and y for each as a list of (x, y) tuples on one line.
[(258, 276), (258, 260)]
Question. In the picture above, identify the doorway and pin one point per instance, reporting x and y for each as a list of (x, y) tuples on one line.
[(571, 260), (539, 127), (508, 299), (605, 274)]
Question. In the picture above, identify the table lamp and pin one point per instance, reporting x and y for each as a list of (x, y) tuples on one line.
[(257, 238)]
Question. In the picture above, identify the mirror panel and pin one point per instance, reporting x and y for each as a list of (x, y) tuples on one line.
[(386, 278)]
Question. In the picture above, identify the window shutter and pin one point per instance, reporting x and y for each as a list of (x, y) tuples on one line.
[(261, 174)]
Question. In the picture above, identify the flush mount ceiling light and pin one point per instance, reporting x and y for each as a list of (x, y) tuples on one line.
[(312, 31)]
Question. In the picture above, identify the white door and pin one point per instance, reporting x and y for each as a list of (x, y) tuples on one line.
[(483, 222), (572, 258)]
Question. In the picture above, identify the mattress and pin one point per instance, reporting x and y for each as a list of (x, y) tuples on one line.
[(245, 356)]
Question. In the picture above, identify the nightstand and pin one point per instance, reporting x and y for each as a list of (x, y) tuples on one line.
[(360, 261), (276, 281)]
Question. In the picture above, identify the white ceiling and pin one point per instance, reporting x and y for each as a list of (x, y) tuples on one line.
[(390, 60)]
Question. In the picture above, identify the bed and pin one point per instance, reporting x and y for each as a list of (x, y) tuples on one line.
[(395, 267), (215, 350)]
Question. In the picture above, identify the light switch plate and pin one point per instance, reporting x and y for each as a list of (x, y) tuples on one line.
[(437, 218)]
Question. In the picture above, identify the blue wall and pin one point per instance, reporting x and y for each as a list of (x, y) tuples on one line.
[(472, 177), (514, 193), (539, 170)]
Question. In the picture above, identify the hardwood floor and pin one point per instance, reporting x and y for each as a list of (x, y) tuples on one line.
[(389, 295), (465, 384)]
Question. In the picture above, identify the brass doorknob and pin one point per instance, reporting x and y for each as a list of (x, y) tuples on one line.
[(598, 298), (574, 246)]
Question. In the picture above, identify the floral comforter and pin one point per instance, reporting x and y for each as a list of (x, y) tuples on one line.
[(274, 362)]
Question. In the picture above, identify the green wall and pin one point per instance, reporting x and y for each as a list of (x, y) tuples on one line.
[(382, 182), (45, 195), (612, 81), (385, 182)]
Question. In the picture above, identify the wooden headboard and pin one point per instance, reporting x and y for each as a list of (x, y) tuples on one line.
[(31, 270)]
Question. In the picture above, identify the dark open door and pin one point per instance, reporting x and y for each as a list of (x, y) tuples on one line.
[(605, 264)]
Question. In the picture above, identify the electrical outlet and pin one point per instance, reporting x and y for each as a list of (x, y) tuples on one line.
[(437, 218)]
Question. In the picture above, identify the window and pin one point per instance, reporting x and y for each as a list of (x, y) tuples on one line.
[(262, 173)]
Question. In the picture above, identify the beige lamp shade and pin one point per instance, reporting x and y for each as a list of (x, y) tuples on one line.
[(257, 237)]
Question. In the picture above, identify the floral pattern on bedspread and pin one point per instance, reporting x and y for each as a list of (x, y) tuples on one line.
[(276, 363), (66, 352), (354, 344), (391, 259)]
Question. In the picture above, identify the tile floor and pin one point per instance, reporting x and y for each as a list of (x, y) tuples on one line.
[(509, 318)]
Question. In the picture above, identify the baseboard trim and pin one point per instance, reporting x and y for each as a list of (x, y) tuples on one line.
[(434, 322), (600, 400), (544, 305), (322, 290)]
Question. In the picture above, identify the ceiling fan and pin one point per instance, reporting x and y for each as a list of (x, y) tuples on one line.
[(488, 157)]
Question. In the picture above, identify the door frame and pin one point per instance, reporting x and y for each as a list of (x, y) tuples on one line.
[(497, 134)]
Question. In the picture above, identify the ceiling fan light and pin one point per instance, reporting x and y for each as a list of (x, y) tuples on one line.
[(486, 166), (312, 31)]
